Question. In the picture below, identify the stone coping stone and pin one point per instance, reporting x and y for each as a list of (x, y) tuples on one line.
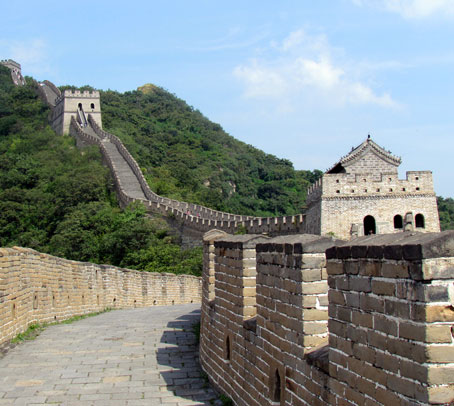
[(299, 244), (240, 241), (102, 267), (213, 235), (410, 246)]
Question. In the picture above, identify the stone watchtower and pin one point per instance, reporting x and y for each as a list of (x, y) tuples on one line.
[(78, 104), (16, 72), (362, 194)]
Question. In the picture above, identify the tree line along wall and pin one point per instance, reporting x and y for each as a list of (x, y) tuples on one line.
[(307, 320), (197, 219), (37, 288)]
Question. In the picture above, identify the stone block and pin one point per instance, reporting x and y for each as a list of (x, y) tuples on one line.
[(381, 287), (313, 288), (412, 331), (311, 275), (360, 284), (440, 375), (314, 314), (439, 353), (438, 333)]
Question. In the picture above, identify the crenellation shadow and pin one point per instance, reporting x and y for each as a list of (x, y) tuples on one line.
[(178, 361)]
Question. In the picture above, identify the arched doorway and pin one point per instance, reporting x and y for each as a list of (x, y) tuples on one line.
[(369, 225), (80, 106)]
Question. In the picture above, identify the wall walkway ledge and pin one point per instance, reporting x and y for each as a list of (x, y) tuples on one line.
[(370, 322)]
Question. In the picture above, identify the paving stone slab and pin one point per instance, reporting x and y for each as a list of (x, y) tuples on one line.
[(125, 357)]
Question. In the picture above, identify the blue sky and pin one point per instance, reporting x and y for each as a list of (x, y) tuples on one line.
[(304, 80)]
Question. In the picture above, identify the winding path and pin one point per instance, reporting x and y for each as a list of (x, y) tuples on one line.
[(132, 357)]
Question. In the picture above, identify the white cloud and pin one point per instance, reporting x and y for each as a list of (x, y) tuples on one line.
[(412, 9), (261, 81), (303, 65)]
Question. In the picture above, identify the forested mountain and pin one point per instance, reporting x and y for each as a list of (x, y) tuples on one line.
[(58, 199), (187, 157)]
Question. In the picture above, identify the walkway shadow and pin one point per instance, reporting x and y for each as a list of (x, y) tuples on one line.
[(178, 361)]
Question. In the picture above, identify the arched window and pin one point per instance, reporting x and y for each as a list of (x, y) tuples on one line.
[(369, 225), (277, 387), (80, 106), (419, 221), (92, 105), (398, 221)]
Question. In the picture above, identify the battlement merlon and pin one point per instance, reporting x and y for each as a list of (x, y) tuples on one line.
[(85, 94), (77, 94), (10, 63), (345, 184)]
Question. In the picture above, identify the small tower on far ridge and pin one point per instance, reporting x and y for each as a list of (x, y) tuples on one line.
[(16, 72), (78, 104), (361, 194)]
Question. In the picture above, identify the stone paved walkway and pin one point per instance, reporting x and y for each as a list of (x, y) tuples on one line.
[(124, 357)]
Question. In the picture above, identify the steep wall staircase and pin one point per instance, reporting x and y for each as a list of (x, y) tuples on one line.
[(190, 220)]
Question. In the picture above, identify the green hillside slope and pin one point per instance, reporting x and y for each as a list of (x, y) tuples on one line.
[(187, 157), (57, 199), (446, 213)]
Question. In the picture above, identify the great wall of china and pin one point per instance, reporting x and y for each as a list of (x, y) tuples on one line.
[(363, 183), (312, 321), (191, 220), (292, 320)]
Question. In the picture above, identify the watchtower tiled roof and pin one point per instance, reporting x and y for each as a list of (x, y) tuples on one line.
[(360, 151)]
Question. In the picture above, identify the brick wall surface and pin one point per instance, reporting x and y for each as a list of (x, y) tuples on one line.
[(37, 287), (384, 301)]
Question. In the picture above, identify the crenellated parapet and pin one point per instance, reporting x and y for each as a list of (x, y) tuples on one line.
[(418, 183), (307, 320), (77, 94), (196, 217)]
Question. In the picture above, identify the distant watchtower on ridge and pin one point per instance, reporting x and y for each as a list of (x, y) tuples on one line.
[(78, 104), (16, 72), (361, 194)]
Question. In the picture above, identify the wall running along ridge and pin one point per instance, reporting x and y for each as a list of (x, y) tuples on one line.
[(337, 203), (37, 288), (179, 211), (368, 323)]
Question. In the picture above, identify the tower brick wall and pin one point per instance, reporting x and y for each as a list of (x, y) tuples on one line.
[(68, 104), (364, 184)]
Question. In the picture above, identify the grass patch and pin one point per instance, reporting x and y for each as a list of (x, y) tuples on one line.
[(34, 330), (83, 316), (31, 333)]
